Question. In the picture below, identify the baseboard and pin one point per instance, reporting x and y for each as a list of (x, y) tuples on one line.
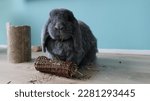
[(3, 46), (115, 51), (125, 51)]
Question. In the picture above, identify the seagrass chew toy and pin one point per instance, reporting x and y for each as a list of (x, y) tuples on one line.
[(56, 67)]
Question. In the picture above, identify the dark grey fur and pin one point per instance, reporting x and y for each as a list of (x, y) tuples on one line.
[(66, 38)]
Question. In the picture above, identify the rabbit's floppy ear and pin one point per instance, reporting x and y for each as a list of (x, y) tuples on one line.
[(44, 35), (77, 40), (78, 47)]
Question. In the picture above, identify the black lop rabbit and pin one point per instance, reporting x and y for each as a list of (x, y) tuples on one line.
[(66, 38)]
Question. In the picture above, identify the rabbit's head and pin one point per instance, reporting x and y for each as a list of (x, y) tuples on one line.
[(62, 24)]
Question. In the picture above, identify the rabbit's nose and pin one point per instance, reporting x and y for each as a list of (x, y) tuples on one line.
[(59, 26)]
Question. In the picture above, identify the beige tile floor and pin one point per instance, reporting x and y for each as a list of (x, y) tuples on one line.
[(110, 69)]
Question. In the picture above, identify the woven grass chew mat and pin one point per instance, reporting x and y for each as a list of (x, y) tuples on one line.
[(56, 67)]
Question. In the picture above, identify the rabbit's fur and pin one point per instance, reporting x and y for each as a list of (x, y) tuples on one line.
[(68, 39)]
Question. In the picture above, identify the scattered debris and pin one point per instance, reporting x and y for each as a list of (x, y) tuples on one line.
[(33, 81), (93, 69), (8, 82)]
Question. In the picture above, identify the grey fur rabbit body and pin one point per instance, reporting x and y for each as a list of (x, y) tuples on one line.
[(68, 39)]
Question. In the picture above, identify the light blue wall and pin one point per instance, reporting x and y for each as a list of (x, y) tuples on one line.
[(117, 24)]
